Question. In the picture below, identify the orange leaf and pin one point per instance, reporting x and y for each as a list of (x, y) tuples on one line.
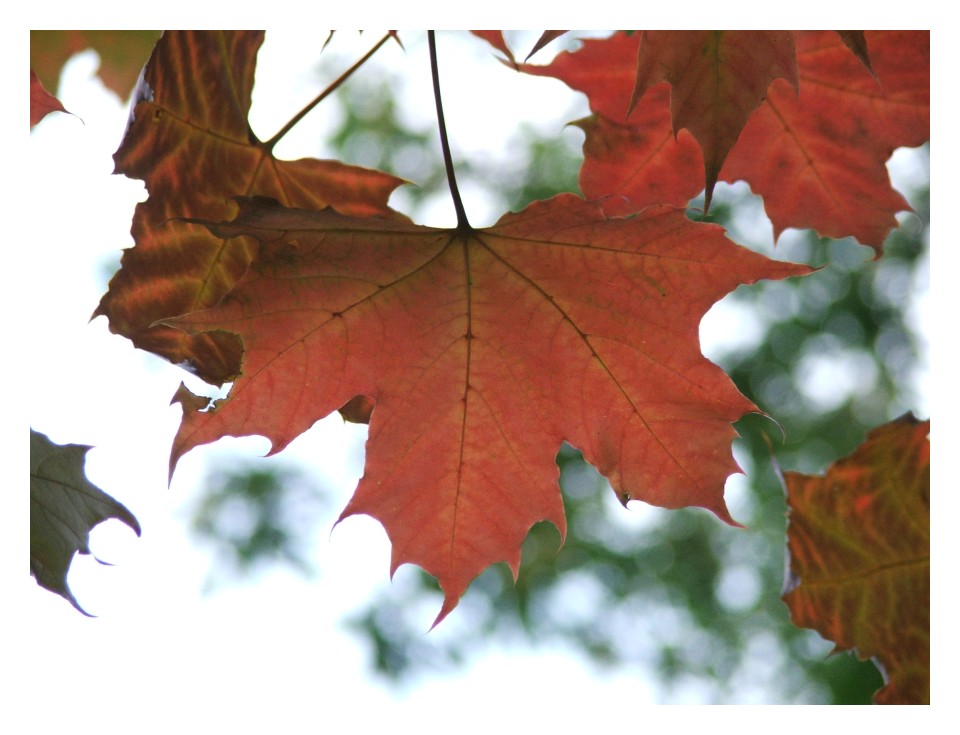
[(482, 352), (717, 78), (191, 144), (859, 541), (603, 69)]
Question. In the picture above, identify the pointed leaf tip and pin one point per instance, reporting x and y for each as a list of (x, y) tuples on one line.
[(64, 507)]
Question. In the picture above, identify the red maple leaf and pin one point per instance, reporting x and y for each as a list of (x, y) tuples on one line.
[(482, 352), (190, 142), (717, 80), (817, 157)]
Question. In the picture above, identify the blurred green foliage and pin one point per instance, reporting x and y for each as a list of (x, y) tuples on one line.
[(255, 515), (827, 357)]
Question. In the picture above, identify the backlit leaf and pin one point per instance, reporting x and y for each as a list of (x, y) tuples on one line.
[(191, 144), (482, 351), (717, 79), (859, 541)]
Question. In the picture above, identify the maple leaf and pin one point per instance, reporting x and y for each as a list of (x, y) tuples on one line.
[(817, 158), (483, 351), (717, 79), (635, 164), (42, 103), (190, 142), (64, 507), (859, 543)]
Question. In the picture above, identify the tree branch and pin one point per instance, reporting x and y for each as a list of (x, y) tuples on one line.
[(329, 90)]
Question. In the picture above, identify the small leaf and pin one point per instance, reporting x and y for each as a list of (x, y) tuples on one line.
[(818, 159), (64, 507), (42, 103), (859, 542)]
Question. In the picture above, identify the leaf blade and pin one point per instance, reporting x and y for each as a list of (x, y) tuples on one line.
[(64, 508), (859, 547), (498, 343)]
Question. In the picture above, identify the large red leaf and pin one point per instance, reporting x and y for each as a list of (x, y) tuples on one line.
[(191, 144), (717, 79), (859, 540), (483, 351)]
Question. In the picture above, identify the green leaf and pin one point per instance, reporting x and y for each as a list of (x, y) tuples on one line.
[(64, 507)]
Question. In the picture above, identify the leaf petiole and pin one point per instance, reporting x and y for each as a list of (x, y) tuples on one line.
[(462, 224), (269, 145)]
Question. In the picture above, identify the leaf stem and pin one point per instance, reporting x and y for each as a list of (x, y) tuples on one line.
[(462, 223), (325, 93)]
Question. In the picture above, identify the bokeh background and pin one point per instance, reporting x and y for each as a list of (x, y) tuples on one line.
[(241, 594)]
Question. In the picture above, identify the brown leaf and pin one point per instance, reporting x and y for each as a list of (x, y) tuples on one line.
[(191, 144), (122, 54), (859, 542)]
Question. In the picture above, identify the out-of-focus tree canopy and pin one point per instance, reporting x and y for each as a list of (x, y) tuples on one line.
[(828, 357)]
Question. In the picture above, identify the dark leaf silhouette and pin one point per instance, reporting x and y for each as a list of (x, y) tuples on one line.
[(64, 507)]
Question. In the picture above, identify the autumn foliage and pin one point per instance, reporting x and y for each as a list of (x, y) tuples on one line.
[(859, 541), (574, 320)]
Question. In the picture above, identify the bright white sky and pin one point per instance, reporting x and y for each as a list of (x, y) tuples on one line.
[(160, 656)]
